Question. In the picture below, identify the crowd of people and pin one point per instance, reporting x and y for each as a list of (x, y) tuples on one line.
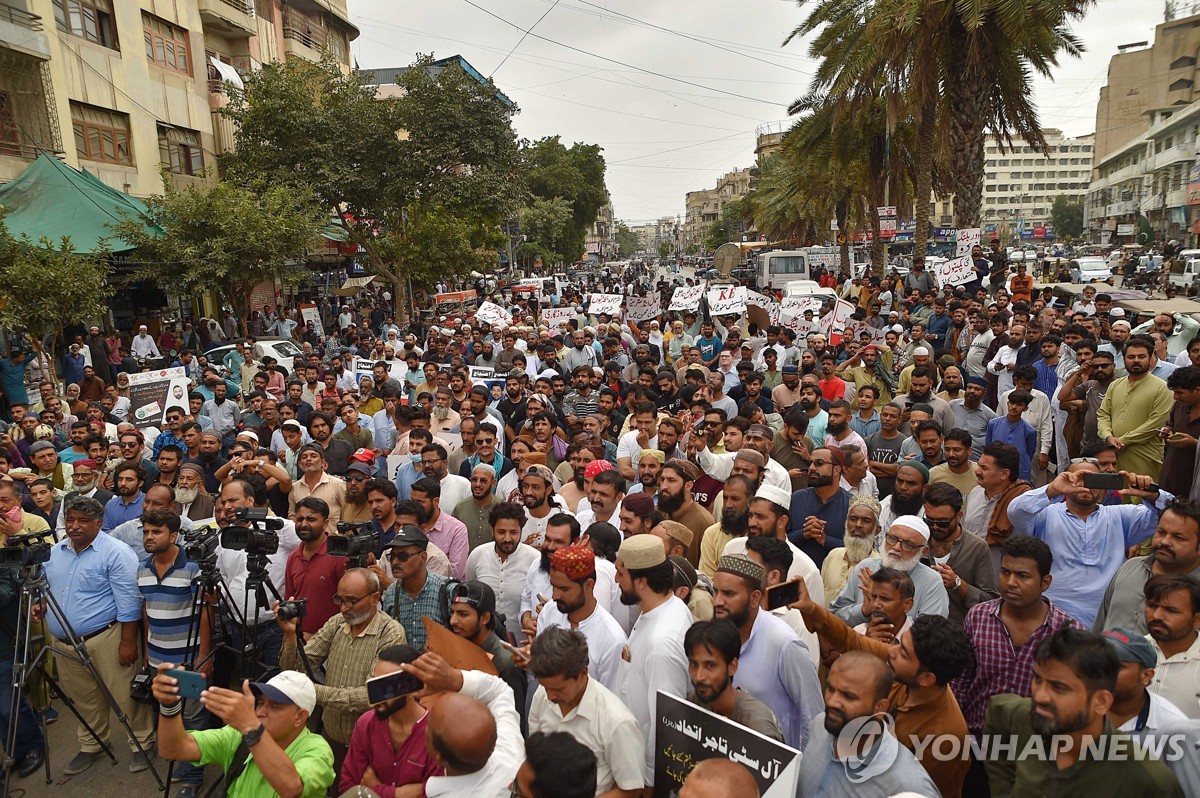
[(982, 500)]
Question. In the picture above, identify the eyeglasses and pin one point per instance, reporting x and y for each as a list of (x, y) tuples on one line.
[(404, 556), (433, 461), (904, 545), (346, 601), (1078, 460)]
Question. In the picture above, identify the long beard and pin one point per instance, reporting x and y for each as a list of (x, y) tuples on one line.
[(902, 565), (858, 549), (670, 503), (544, 563), (906, 506), (182, 495), (733, 522)]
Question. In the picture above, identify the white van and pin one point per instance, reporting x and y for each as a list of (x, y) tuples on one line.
[(1190, 274)]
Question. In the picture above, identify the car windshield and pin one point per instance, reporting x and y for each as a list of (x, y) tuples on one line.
[(285, 348)]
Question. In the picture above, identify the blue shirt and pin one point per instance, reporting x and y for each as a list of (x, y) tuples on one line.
[(169, 603), (866, 428), (806, 502), (1047, 378), (776, 668), (1020, 435), (709, 348), (1087, 553), (406, 476), (117, 511), (95, 587), (13, 376), (938, 328)]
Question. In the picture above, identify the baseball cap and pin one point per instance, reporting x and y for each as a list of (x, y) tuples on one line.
[(359, 466), (363, 456), (410, 535), (288, 687), (476, 594), (1131, 647)]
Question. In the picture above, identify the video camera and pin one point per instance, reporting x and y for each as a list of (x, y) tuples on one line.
[(354, 541), (255, 532), (32, 548), (201, 543)]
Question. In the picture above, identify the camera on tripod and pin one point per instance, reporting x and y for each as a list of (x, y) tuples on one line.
[(32, 548), (253, 532), (201, 543), (354, 541)]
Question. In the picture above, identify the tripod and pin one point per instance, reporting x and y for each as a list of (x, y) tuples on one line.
[(35, 591)]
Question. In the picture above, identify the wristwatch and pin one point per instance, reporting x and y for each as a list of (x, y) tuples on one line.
[(251, 738), (957, 582)]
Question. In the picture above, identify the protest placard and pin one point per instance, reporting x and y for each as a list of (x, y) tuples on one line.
[(552, 317), (642, 308), (605, 303), (686, 735), (793, 307), (151, 393), (967, 238), (959, 271), (494, 315), (726, 300), (310, 313), (687, 297)]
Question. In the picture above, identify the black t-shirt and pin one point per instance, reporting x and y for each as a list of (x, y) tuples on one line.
[(999, 262), (883, 450)]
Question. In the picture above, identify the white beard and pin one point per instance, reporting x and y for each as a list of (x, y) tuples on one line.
[(857, 549), (186, 495), (903, 565)]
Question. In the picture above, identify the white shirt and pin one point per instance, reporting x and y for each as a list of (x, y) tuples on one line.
[(455, 489), (868, 487), (720, 466), (536, 527), (143, 345), (1177, 678), (232, 565), (605, 637), (494, 779), (1162, 712), (586, 516), (999, 367), (628, 446), (656, 662), (506, 578), (604, 725), (537, 582), (976, 352)]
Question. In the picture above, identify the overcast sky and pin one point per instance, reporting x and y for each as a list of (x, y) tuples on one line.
[(673, 90)]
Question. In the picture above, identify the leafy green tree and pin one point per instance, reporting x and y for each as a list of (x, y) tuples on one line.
[(627, 241), (47, 285), (1067, 217), (226, 237), (548, 227), (664, 249), (420, 182), (727, 227), (575, 174)]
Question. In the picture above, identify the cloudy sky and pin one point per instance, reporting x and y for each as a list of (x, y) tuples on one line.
[(673, 90)]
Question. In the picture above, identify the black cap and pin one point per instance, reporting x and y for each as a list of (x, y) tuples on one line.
[(477, 594), (410, 535)]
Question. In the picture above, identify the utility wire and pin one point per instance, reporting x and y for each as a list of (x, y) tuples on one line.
[(523, 36)]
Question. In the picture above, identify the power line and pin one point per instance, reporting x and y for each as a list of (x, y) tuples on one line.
[(523, 36), (615, 61)]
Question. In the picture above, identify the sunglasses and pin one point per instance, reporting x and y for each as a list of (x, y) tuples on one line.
[(404, 556)]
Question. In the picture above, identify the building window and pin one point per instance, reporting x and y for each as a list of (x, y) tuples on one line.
[(180, 150), (166, 45), (101, 135), (88, 19), (335, 45)]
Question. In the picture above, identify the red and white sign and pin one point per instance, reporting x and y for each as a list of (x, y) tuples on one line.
[(727, 300)]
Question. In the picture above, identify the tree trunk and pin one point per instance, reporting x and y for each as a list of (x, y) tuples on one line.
[(926, 138), (968, 96), (842, 213), (877, 253)]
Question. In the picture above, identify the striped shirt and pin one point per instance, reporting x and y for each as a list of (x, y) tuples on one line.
[(169, 605)]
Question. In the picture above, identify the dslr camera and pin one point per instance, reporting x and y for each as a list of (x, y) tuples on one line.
[(355, 541), (292, 610), (253, 532), (32, 548)]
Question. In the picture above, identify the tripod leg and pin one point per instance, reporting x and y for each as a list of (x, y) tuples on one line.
[(84, 658)]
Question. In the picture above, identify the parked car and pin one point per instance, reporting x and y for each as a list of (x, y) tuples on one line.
[(1090, 270), (284, 350)]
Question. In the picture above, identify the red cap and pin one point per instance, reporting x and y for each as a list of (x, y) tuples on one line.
[(363, 456)]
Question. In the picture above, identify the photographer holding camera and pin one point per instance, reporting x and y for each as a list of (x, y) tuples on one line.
[(265, 747), (311, 570), (250, 493), (348, 644)]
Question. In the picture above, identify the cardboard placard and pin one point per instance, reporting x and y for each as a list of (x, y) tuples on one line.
[(310, 313), (687, 297), (553, 317), (727, 300), (967, 239), (685, 735), (494, 315), (151, 393), (609, 304), (959, 271), (642, 308)]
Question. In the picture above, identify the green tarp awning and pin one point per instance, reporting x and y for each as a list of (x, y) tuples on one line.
[(52, 200)]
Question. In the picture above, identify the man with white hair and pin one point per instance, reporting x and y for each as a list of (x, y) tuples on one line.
[(143, 345), (906, 541)]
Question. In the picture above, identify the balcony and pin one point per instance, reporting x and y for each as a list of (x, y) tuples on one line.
[(231, 18), (306, 43), (23, 32)]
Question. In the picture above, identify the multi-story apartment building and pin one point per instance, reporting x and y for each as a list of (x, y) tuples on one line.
[(1021, 182), (704, 207)]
